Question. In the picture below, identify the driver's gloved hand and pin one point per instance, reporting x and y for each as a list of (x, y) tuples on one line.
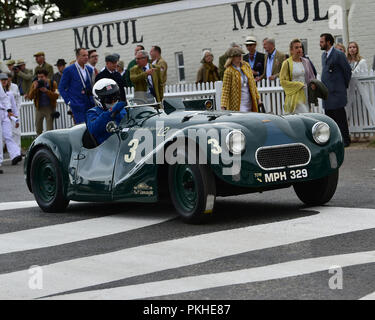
[(118, 107)]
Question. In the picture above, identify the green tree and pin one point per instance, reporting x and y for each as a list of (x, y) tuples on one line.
[(15, 13), (74, 8)]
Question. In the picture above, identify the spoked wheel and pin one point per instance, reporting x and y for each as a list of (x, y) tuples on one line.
[(318, 192), (47, 183), (193, 191)]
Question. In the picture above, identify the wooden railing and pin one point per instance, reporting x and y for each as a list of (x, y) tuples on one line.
[(361, 108)]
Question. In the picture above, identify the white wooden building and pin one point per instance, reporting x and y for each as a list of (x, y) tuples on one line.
[(183, 29)]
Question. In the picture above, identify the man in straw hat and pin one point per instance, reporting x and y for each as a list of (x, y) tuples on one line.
[(24, 77), (254, 58)]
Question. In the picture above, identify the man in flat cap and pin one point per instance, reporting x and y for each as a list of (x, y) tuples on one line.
[(110, 72), (254, 58), (40, 59)]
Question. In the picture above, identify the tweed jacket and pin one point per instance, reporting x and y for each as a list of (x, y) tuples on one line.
[(25, 79), (203, 73), (277, 64), (163, 70), (222, 60), (46, 67), (139, 78), (231, 96)]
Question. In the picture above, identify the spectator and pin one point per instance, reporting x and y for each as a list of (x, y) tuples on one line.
[(208, 72), (146, 78), (61, 64), (17, 97), (131, 65), (44, 93), (243, 98), (295, 76), (336, 76), (93, 61), (10, 64), (307, 57), (157, 60), (76, 86), (121, 68), (341, 47), (40, 59), (357, 63), (24, 77), (110, 72), (223, 59), (273, 61), (6, 130), (254, 58)]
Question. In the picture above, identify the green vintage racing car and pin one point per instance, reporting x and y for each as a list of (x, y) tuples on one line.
[(190, 155)]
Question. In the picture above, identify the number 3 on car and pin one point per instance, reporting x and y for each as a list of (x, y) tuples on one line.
[(134, 144)]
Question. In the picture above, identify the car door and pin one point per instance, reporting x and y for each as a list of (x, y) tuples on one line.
[(134, 180), (95, 169)]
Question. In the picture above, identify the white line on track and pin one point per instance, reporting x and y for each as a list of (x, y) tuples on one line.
[(17, 205), (89, 271), (209, 281), (369, 297), (76, 231)]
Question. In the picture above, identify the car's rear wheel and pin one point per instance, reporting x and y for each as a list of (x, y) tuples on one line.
[(47, 183), (193, 191), (318, 192)]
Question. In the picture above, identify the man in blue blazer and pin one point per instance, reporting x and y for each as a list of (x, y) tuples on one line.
[(336, 76), (76, 87)]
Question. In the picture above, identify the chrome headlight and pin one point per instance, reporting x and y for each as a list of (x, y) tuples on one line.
[(321, 133), (236, 142)]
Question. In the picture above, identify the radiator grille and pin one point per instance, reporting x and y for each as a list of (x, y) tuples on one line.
[(280, 157)]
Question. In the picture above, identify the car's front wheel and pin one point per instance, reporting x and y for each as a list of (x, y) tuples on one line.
[(193, 191), (318, 192), (47, 182)]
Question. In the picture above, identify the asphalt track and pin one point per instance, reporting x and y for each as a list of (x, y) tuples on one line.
[(263, 246)]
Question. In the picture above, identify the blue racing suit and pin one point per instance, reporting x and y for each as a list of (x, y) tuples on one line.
[(97, 119)]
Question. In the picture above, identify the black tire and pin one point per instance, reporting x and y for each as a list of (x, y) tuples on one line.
[(194, 200), (47, 183), (317, 192)]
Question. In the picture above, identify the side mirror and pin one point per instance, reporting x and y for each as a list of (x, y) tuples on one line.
[(112, 127)]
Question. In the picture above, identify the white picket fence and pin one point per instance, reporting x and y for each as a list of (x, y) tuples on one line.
[(272, 94)]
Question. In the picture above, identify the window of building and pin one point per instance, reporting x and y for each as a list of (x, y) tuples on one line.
[(305, 44), (339, 39), (180, 66)]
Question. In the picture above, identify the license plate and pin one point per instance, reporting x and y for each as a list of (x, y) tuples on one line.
[(281, 176)]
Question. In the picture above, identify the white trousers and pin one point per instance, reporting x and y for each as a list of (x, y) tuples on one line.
[(16, 132), (7, 135)]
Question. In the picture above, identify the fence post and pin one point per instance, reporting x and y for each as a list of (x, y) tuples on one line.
[(219, 89)]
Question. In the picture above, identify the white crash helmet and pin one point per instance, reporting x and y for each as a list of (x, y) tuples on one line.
[(106, 92)]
